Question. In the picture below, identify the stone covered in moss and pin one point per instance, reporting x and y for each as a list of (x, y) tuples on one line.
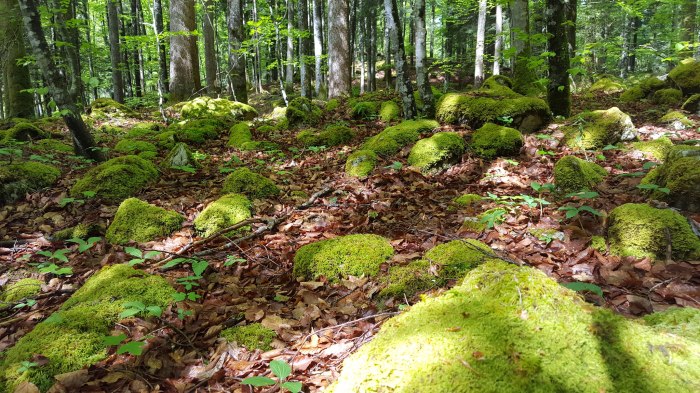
[(651, 84), (239, 135), (22, 131), (351, 255), (197, 131), (510, 329), (107, 108), (680, 173), (252, 184), (687, 76), (389, 111), (394, 138), (667, 97), (440, 150), (117, 179), (598, 243), (80, 231), (219, 109), (692, 104), (676, 120), (492, 141), (332, 105), (572, 174), (681, 321), (21, 178), (22, 289), (53, 146), (224, 212), (633, 94), (408, 280), (253, 336), (467, 200), (639, 230), (657, 148), (364, 110), (142, 149), (361, 163), (456, 257), (141, 222), (72, 338), (606, 86), (332, 135), (596, 129), (302, 111)]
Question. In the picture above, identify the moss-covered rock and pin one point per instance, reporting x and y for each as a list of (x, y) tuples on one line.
[(302, 111), (332, 104), (639, 230), (226, 211), (53, 146), (389, 111), (440, 150), (21, 289), (141, 222), (596, 129), (361, 163), (656, 148), (20, 178), (143, 130), (606, 86), (667, 97), (253, 336), (117, 179), (72, 338), (651, 84), (343, 256), (394, 138), (684, 322), (598, 243), (366, 110), (633, 94), (692, 104), (457, 257), (106, 108), (254, 185), (687, 76), (80, 231), (680, 173), (492, 140), (23, 131), (196, 131), (142, 149), (676, 120), (467, 200), (219, 109), (332, 135), (510, 329), (408, 280), (572, 174), (239, 135)]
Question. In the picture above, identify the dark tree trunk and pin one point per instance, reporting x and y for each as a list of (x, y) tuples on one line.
[(408, 103), (339, 78), (210, 71), (520, 33), (162, 54), (115, 50), (184, 57), (67, 32), (16, 77), (237, 59), (289, 69), (558, 91), (422, 80)]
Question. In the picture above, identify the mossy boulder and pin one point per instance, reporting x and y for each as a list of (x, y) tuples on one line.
[(408, 280), (142, 149), (179, 156), (365, 110), (141, 222), (680, 173), (20, 178), (639, 230), (606, 86), (596, 129), (457, 257), (195, 132), (572, 174), (633, 94), (302, 111), (351, 255), (106, 108), (361, 163), (23, 131), (681, 321), (510, 329), (224, 212), (656, 148), (72, 337), (440, 150), (240, 135), (651, 84), (219, 109), (80, 231), (254, 185), (253, 336), (332, 135), (670, 97), (676, 120), (389, 111), (21, 289), (117, 179), (492, 140), (687, 76), (394, 138), (692, 104), (332, 105)]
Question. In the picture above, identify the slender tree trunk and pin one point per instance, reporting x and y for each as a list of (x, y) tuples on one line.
[(138, 65), (387, 55), (162, 54), (571, 9), (16, 77), (210, 69), (558, 91), (339, 78), (304, 48), (520, 31), (626, 46), (408, 103), (289, 71), (318, 46), (689, 14), (480, 38), (237, 60), (422, 79), (633, 51), (67, 32), (115, 51), (499, 40), (372, 45), (184, 57)]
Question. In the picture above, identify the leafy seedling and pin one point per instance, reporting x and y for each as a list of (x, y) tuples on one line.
[(58, 255), (584, 286), (654, 187), (396, 165), (84, 245), (280, 369), (140, 256), (26, 303), (233, 260), (26, 366), (135, 308), (54, 269)]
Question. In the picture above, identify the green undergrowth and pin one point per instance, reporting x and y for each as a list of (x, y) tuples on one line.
[(332, 135), (440, 150), (253, 336), (361, 163), (19, 178), (21, 289), (394, 138)]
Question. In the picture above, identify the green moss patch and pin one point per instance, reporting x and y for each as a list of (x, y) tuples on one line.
[(677, 120), (140, 222), (23, 131), (657, 148), (639, 230), (633, 94), (596, 129), (142, 149), (492, 141), (572, 174), (467, 200), (53, 146), (651, 84), (219, 109), (22, 289), (606, 86), (195, 132), (72, 337), (684, 322), (459, 256), (361, 163), (332, 135), (239, 135), (692, 104), (513, 329), (440, 150), (254, 185), (252, 336), (302, 111), (680, 173), (667, 97), (389, 111), (18, 179), (351, 255), (107, 108), (366, 110), (224, 212), (117, 179), (408, 280), (687, 76), (392, 139)]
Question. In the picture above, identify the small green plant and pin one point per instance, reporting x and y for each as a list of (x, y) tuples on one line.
[(136, 308), (396, 165), (26, 366), (280, 369), (583, 286), (505, 120), (653, 187), (493, 217), (610, 147), (84, 245), (182, 314), (67, 201), (546, 137), (541, 152), (233, 260), (185, 168), (55, 269), (26, 303), (582, 195), (317, 149), (511, 162), (132, 347), (58, 255), (140, 256), (573, 211)]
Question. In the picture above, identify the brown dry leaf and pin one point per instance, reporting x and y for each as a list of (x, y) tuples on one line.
[(73, 380), (26, 387)]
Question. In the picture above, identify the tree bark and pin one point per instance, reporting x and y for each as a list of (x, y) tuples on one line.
[(237, 59), (135, 54), (387, 56), (16, 77), (408, 103), (480, 38), (318, 46), (422, 78), (66, 31), (558, 91), (520, 33), (289, 69), (304, 48), (162, 56), (115, 51), (339, 78), (184, 57), (499, 40), (210, 68)]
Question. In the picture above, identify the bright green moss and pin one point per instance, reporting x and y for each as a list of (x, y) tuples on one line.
[(511, 329), (247, 182), (145, 150), (24, 131), (266, 129), (343, 256), (680, 173), (53, 146), (253, 336), (440, 150), (651, 84), (166, 139), (596, 129), (72, 338), (606, 86), (639, 230), (392, 139), (22, 289), (633, 94), (456, 257), (572, 174), (259, 146), (107, 108), (676, 120), (692, 104), (389, 111), (467, 200), (196, 131), (220, 109), (80, 231), (302, 111), (18, 179), (224, 212), (141, 222), (492, 141), (684, 322), (143, 130), (332, 104), (667, 97), (408, 280), (657, 148), (598, 244), (117, 179), (364, 110), (687, 76), (239, 134), (332, 135), (361, 163)]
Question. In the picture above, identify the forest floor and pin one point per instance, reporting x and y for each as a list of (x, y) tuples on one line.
[(319, 324)]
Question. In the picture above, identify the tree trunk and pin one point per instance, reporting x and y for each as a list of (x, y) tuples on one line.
[(138, 63), (558, 91), (162, 56), (408, 103), (16, 77), (339, 78), (422, 78), (289, 69), (480, 38), (66, 31), (689, 12), (523, 76), (115, 54), (83, 142), (499, 41), (304, 48), (318, 46), (372, 45), (210, 71), (237, 59), (571, 15), (184, 57), (387, 55)]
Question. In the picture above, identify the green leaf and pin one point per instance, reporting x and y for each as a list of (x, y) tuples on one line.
[(281, 369), (113, 340), (258, 381), (648, 165), (590, 210), (180, 296), (155, 311), (664, 190), (133, 348), (134, 252), (137, 305), (584, 286), (582, 195), (292, 386), (130, 312), (59, 255), (136, 261), (610, 147), (199, 266), (151, 254)]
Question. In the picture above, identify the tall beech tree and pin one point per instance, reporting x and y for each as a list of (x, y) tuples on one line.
[(559, 89), (408, 102), (422, 77), (339, 78), (115, 52), (236, 57), (19, 102), (210, 66), (184, 56), (480, 41)]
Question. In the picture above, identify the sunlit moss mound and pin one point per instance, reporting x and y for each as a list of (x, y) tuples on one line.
[(667, 97), (680, 174), (142, 149), (222, 213), (467, 200), (302, 111), (389, 111), (140, 222), (394, 138), (351, 255), (572, 174), (633, 94), (195, 131), (684, 322), (639, 230), (22, 130), (596, 129), (440, 150), (24, 288), (254, 185), (361, 163), (657, 148), (513, 329), (677, 120), (332, 135), (219, 109), (492, 141), (20, 178), (364, 110), (687, 76), (107, 108), (71, 338), (606, 86), (239, 135), (651, 84), (253, 336), (117, 179)]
